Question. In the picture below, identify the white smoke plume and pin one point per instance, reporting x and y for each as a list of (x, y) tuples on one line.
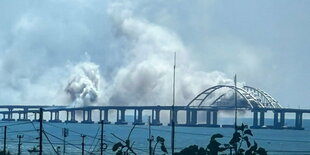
[(84, 84), (135, 57), (146, 77)]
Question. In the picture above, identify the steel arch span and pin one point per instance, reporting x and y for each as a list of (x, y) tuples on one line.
[(221, 96)]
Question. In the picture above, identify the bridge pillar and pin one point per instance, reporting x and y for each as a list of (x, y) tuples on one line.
[(156, 117), (106, 117), (175, 117), (100, 115), (4, 117), (298, 120), (72, 119), (19, 116), (215, 119), (67, 118), (35, 117), (56, 117), (24, 114), (188, 117), (84, 115), (282, 119), (262, 119), (51, 117), (89, 115), (121, 117), (9, 115), (138, 121), (255, 119), (276, 120), (208, 119), (194, 117)]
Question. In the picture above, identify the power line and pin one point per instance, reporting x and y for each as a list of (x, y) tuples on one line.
[(66, 141), (79, 133), (94, 139), (50, 142), (16, 124)]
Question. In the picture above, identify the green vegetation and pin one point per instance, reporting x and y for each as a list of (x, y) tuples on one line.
[(241, 143)]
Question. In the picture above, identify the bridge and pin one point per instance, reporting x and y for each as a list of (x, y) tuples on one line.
[(206, 104)]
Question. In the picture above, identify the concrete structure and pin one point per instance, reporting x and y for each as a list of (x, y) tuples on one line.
[(251, 99)]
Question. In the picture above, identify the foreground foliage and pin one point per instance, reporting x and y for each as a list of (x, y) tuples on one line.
[(240, 144)]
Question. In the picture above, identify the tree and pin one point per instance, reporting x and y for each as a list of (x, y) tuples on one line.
[(124, 146), (241, 138), (161, 141), (243, 134)]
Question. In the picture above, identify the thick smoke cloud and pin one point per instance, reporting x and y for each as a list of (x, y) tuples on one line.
[(146, 78), (83, 86), (59, 74), (44, 61)]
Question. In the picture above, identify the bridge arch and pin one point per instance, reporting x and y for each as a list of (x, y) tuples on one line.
[(254, 98), (266, 99)]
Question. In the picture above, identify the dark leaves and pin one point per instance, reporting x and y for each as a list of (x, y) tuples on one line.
[(246, 138), (117, 146), (248, 132), (236, 138), (163, 148), (216, 136), (242, 127), (261, 151), (160, 139)]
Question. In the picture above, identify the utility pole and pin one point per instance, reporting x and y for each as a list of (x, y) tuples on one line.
[(4, 143), (150, 137), (172, 113), (236, 114), (101, 139), (83, 144), (41, 131), (65, 134), (235, 81), (19, 143)]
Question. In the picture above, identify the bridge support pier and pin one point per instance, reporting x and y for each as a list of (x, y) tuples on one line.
[(9, 115), (298, 121), (156, 118), (175, 117), (255, 119), (121, 117), (56, 117), (138, 120), (215, 119), (262, 119), (25, 115), (208, 118), (193, 117), (276, 123), (35, 117), (72, 119), (282, 119), (89, 115), (106, 117), (258, 119)]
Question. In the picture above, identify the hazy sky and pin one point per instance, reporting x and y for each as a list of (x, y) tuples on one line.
[(43, 44)]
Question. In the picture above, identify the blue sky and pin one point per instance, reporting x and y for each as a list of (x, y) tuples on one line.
[(43, 44)]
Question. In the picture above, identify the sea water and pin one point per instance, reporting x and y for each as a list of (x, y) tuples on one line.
[(283, 141)]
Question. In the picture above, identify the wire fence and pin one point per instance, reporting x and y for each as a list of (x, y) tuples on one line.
[(54, 139)]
